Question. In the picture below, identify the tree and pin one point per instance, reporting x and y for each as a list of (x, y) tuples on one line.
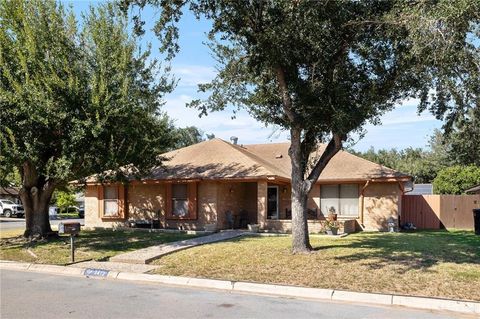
[(75, 99), (322, 70), (422, 164), (456, 179), (464, 139), (65, 199), (187, 136)]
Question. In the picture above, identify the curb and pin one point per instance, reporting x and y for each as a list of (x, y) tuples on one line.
[(466, 307)]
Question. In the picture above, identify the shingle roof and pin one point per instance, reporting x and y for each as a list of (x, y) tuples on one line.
[(218, 159), (473, 190)]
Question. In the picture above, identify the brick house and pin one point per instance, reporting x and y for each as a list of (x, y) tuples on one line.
[(219, 184)]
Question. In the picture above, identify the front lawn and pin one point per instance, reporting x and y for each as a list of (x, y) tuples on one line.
[(436, 263), (97, 245)]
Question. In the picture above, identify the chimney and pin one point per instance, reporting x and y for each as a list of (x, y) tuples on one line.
[(234, 140)]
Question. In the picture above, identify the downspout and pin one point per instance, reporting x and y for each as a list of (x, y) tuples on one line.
[(363, 203)]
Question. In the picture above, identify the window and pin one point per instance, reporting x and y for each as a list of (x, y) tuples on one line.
[(342, 198), (179, 200), (110, 201)]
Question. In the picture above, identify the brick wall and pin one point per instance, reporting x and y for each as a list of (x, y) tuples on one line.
[(381, 201)]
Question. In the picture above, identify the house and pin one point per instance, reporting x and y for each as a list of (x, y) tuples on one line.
[(220, 184), (10, 193), (473, 190)]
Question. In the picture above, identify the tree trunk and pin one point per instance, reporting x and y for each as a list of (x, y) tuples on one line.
[(35, 194), (300, 238)]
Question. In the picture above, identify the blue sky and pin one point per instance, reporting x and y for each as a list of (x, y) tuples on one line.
[(400, 128)]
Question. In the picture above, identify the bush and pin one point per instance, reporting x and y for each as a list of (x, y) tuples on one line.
[(456, 179)]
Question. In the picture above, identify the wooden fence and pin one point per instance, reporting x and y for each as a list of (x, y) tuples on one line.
[(439, 211)]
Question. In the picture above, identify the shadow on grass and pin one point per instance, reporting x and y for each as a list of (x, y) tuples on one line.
[(108, 242), (412, 251)]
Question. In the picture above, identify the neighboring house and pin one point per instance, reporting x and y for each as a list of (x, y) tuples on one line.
[(421, 189), (10, 193), (215, 182), (473, 190)]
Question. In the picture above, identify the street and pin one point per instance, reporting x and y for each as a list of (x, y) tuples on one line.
[(33, 295), (19, 223)]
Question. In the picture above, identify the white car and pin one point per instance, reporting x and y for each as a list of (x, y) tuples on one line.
[(9, 209)]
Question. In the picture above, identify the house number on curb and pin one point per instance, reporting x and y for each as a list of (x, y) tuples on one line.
[(96, 272)]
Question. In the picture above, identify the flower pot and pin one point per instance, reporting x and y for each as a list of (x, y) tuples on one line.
[(254, 228), (332, 217), (333, 231)]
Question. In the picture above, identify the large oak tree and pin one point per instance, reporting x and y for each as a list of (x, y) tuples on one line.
[(75, 99), (322, 69)]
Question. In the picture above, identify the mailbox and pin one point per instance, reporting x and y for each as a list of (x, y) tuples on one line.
[(69, 228)]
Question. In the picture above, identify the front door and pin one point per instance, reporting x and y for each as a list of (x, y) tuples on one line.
[(272, 205)]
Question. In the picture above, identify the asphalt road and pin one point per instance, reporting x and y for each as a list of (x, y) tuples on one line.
[(15, 223), (32, 295)]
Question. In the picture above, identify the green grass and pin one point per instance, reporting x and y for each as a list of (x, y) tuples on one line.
[(436, 263), (97, 245)]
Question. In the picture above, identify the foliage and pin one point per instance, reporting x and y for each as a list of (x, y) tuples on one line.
[(65, 199), (422, 164), (465, 139), (330, 224), (323, 71), (75, 98), (187, 136), (456, 179)]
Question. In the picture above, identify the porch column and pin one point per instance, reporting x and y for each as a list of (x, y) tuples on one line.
[(262, 203)]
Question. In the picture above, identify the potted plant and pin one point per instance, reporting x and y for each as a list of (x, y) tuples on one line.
[(332, 214), (331, 227)]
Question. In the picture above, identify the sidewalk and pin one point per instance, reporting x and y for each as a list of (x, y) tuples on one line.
[(147, 255)]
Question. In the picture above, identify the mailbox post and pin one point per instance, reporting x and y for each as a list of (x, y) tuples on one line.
[(72, 229)]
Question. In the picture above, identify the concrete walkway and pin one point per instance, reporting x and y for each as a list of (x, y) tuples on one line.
[(147, 255)]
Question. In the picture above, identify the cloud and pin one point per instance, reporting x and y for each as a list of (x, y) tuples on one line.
[(191, 75), (400, 128), (243, 126)]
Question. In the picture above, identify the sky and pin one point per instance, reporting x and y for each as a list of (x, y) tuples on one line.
[(400, 128)]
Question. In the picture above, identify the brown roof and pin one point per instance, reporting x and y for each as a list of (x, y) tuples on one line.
[(473, 190), (218, 159)]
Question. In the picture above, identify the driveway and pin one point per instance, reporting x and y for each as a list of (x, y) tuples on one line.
[(33, 295)]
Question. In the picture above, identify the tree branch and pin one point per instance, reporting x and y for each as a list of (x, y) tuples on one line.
[(332, 148), (286, 99)]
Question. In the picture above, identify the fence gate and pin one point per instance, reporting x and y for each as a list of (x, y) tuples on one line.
[(421, 210)]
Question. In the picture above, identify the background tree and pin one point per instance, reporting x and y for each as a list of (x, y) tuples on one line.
[(422, 164), (464, 139), (456, 179), (74, 100), (187, 136), (65, 199), (322, 70)]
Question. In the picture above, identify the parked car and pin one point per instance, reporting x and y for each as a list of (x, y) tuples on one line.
[(81, 212), (9, 209)]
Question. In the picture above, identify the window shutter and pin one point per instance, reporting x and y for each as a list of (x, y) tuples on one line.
[(122, 209), (168, 199), (192, 200), (100, 200)]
